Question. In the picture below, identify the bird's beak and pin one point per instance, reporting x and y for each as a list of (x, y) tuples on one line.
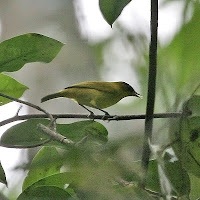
[(138, 95)]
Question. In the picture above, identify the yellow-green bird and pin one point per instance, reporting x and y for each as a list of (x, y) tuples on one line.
[(95, 94)]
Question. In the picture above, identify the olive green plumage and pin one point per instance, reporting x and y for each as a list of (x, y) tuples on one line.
[(95, 94)]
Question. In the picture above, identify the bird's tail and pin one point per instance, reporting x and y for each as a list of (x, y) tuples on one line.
[(51, 96)]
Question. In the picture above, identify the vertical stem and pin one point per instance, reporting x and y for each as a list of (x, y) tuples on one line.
[(151, 89)]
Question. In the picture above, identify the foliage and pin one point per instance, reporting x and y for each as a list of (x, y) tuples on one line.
[(90, 167), (112, 9), (31, 47), (10, 86), (26, 134)]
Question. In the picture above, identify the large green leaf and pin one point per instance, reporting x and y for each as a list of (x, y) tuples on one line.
[(111, 9), (189, 145), (31, 47), (44, 193), (185, 129), (153, 179), (45, 163), (10, 87), (193, 105), (59, 180), (77, 130), (26, 134), (195, 187), (188, 132), (180, 60), (176, 175)]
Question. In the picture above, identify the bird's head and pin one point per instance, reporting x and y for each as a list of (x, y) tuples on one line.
[(129, 91)]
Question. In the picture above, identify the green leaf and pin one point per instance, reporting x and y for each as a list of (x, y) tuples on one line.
[(45, 163), (31, 47), (190, 150), (152, 179), (10, 87), (26, 134), (78, 130), (59, 180), (111, 9), (44, 193), (193, 105), (2, 175), (180, 59), (176, 175), (133, 192), (195, 187)]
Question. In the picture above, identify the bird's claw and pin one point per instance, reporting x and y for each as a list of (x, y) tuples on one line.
[(91, 116), (109, 117), (114, 117), (106, 117)]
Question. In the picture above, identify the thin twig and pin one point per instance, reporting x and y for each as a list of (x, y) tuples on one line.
[(54, 135), (82, 141), (153, 193), (158, 195), (82, 116), (60, 138), (17, 113), (28, 104), (124, 183), (151, 89)]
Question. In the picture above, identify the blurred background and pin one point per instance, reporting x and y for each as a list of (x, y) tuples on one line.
[(95, 51)]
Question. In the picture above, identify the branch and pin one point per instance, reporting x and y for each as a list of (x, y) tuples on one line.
[(52, 117), (54, 135), (28, 104), (82, 116), (60, 138), (151, 89)]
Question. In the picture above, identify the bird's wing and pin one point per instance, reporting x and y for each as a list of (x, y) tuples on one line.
[(96, 85)]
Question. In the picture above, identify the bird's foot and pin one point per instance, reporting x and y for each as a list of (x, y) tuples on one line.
[(109, 118), (114, 117), (91, 115), (106, 116)]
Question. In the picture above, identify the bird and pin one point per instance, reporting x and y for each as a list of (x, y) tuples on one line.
[(95, 94)]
